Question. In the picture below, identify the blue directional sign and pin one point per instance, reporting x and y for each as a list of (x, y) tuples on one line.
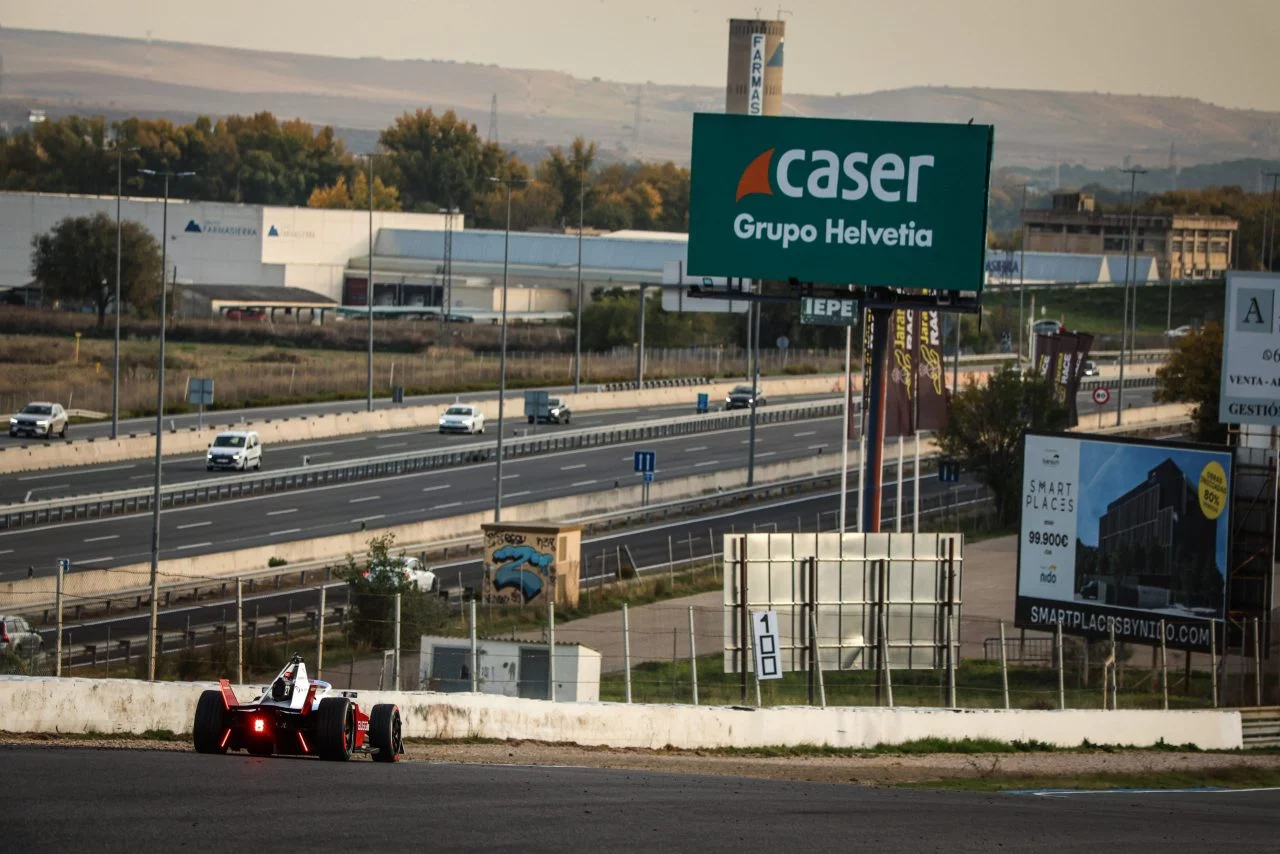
[(648, 477), (646, 461), (948, 471), (64, 565), (704, 402)]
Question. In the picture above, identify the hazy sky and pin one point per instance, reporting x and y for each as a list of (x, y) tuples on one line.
[(1221, 51)]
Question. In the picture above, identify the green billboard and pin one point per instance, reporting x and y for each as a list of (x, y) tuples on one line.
[(838, 201)]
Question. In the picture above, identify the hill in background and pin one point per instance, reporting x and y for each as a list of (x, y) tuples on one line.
[(66, 73)]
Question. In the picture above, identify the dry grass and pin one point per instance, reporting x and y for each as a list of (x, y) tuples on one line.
[(38, 360)]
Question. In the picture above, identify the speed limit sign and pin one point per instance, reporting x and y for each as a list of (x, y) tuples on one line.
[(1101, 395)]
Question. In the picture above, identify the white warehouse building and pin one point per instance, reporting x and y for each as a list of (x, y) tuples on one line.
[(217, 243)]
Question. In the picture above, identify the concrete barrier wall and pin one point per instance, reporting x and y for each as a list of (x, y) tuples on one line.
[(45, 705)]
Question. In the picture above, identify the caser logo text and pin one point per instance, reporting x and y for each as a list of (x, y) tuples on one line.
[(822, 174)]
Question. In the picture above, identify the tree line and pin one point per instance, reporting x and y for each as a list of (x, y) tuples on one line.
[(426, 163)]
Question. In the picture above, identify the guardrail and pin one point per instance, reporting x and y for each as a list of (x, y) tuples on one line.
[(683, 382), (101, 505)]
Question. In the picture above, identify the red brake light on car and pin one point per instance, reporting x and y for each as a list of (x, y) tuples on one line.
[(259, 725)]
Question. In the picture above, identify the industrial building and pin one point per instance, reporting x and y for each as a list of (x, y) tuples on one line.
[(1013, 268), (1184, 246)]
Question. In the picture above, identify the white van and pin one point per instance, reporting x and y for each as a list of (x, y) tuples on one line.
[(240, 450)]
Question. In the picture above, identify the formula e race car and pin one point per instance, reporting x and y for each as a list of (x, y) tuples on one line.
[(296, 716)]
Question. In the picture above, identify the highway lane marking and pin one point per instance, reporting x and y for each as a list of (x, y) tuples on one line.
[(73, 473), (517, 494), (766, 454), (706, 463), (100, 539), (282, 512), (285, 531), (1201, 790), (571, 468), (391, 445), (141, 476), (695, 448), (366, 498), (321, 454), (434, 488), (6, 552), (95, 560), (447, 506), (509, 476), (194, 525), (815, 447), (583, 483), (805, 433), (55, 486), (396, 435), (369, 518), (194, 546)]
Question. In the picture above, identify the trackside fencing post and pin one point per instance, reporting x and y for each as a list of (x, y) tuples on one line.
[(1213, 662), (1164, 672), (471, 630), (693, 658), (884, 662), (551, 645), (239, 631), (57, 644), (626, 650), (1004, 668), (817, 663), (320, 634), (1257, 663), (1062, 673), (395, 655)]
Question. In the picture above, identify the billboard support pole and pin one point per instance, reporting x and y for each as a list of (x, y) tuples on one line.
[(1062, 688), (743, 617), (1004, 667), (880, 318), (1257, 664), (1213, 662), (1164, 671)]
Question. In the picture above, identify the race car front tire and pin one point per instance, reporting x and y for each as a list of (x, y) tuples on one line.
[(385, 733), (210, 724), (335, 729)]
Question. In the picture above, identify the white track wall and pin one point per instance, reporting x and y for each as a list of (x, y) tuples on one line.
[(46, 705)]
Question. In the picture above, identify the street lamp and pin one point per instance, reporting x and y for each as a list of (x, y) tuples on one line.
[(368, 295), (115, 358), (1124, 325), (155, 496), (577, 338), (502, 358), (1022, 271)]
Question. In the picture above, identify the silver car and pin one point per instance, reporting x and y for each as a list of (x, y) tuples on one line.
[(17, 637), (39, 419)]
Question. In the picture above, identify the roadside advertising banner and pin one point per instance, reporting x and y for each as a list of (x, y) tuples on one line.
[(1124, 531)]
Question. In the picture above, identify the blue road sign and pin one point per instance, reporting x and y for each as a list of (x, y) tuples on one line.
[(648, 477), (704, 402), (64, 564), (646, 461), (948, 471)]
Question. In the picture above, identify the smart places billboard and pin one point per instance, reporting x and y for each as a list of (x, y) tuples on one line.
[(834, 201), (1127, 532)]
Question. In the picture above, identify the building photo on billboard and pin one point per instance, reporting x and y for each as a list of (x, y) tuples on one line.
[(1124, 534)]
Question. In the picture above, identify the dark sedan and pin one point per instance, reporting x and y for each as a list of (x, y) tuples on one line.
[(740, 398)]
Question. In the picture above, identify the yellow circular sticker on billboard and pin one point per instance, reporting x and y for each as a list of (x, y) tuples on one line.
[(1213, 490)]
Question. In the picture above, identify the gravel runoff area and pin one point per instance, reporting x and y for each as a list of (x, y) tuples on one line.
[(872, 769)]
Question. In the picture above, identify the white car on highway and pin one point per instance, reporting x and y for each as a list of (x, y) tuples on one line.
[(462, 418), (240, 450)]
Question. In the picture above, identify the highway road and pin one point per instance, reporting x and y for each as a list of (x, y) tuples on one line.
[(86, 480), (648, 547), (80, 799)]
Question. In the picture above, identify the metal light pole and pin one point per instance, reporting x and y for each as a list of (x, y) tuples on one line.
[(153, 624), (1269, 241), (577, 338), (115, 356), (502, 357), (755, 391), (1022, 269), (1124, 325)]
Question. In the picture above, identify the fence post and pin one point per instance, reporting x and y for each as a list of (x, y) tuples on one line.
[(551, 645), (626, 650), (475, 676), (395, 655), (239, 631), (57, 644), (884, 661), (1213, 660), (1062, 671), (1164, 672), (817, 664), (320, 633), (693, 658), (1257, 663), (1004, 668)]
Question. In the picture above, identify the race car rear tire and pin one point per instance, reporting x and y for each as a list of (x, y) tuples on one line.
[(385, 732), (335, 729), (210, 723)]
